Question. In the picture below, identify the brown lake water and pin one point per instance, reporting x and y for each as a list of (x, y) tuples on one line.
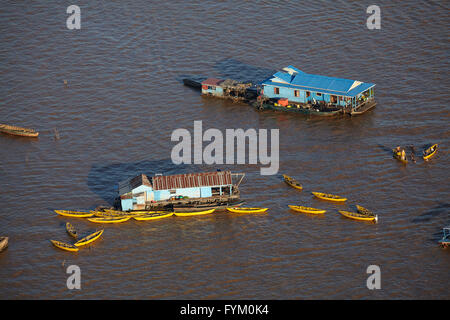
[(123, 99)]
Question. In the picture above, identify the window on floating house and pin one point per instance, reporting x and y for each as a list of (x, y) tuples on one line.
[(308, 94), (318, 94), (297, 93), (173, 191), (211, 88), (333, 99), (276, 90)]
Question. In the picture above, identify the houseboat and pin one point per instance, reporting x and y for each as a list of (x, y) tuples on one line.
[(181, 192), (293, 90)]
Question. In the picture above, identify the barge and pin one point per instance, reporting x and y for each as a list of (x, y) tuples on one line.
[(292, 90), (182, 192)]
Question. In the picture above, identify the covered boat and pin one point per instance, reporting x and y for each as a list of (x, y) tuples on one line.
[(445, 241)]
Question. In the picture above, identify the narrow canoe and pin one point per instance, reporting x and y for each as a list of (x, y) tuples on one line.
[(18, 131), (364, 211), (88, 239), (431, 151), (329, 197), (307, 209), (247, 210), (153, 215), (106, 214), (399, 158), (3, 243), (194, 213), (76, 214), (64, 246), (109, 219), (71, 230), (292, 182), (358, 216)]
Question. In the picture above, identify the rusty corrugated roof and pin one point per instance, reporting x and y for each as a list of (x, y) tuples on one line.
[(212, 81), (192, 180)]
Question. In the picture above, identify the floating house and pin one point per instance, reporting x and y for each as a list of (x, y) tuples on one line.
[(182, 191), (296, 90)]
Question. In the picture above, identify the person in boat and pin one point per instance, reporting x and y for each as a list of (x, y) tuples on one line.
[(403, 154), (398, 151)]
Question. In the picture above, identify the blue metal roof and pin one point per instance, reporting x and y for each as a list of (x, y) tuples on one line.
[(296, 78)]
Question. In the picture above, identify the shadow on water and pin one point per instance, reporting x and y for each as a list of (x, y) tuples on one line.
[(233, 69), (441, 208), (103, 179)]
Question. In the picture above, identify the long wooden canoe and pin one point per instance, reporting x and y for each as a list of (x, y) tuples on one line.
[(431, 151), (75, 214), (3, 243), (88, 239), (64, 246), (153, 215), (193, 213), (329, 197), (247, 210), (71, 230), (307, 209), (18, 131), (292, 182), (109, 219), (358, 216)]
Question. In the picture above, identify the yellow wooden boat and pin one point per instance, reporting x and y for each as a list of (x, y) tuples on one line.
[(307, 209), (292, 182), (71, 230), (358, 216), (106, 214), (364, 211), (399, 157), (153, 215), (247, 210), (194, 213), (329, 197), (18, 131), (109, 219), (64, 246), (88, 239), (76, 214), (431, 151)]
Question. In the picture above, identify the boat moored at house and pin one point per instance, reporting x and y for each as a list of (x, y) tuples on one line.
[(296, 91), (181, 192)]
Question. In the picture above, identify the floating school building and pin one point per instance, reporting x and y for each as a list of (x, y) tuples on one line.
[(294, 90), (182, 191)]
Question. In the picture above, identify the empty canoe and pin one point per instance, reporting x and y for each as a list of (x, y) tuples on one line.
[(18, 131), (109, 219), (329, 197), (307, 209), (292, 182), (3, 243), (247, 210), (71, 230), (76, 214), (358, 216), (431, 151), (364, 211), (194, 213), (88, 239), (153, 215), (64, 246)]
